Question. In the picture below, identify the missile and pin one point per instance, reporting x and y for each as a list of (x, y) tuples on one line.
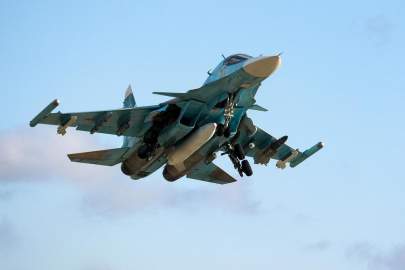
[(122, 128), (306, 154), (100, 121), (62, 128), (279, 142), (44, 113), (274, 146), (264, 156), (281, 164)]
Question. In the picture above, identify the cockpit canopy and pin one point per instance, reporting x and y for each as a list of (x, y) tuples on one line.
[(235, 59), (227, 66)]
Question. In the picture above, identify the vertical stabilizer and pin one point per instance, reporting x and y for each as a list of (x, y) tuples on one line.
[(129, 99), (129, 102)]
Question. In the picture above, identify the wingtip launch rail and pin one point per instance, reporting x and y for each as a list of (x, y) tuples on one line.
[(44, 113), (306, 154)]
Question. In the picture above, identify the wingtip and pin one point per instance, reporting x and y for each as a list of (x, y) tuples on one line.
[(44, 113), (70, 156)]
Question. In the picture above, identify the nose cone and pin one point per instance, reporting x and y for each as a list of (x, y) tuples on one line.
[(263, 66)]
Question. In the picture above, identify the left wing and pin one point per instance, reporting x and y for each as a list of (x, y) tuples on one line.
[(127, 121), (210, 173), (262, 146)]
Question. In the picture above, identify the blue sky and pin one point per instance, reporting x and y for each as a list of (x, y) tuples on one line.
[(341, 81)]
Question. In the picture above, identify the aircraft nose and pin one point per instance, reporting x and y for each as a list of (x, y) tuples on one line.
[(262, 66)]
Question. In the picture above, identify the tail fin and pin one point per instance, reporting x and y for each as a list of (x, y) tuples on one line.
[(129, 102), (129, 99)]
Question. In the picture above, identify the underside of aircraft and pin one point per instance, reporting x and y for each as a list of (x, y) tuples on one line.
[(186, 133)]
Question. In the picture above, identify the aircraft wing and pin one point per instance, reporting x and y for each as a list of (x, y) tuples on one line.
[(266, 147), (127, 121), (210, 173)]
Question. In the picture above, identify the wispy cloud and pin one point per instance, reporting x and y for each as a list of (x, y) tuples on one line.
[(31, 155), (8, 235), (321, 245), (376, 259), (379, 29), (28, 154), (5, 195)]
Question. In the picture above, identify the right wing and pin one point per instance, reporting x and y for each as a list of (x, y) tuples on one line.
[(262, 146), (210, 173), (127, 121)]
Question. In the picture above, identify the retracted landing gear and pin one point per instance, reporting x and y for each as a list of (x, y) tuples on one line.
[(237, 157)]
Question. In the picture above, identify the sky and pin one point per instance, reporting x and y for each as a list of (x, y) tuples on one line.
[(341, 82)]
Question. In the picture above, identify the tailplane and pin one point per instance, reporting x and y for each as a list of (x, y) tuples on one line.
[(108, 157)]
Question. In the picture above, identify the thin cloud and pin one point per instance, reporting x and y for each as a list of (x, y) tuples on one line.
[(393, 259), (8, 235), (5, 195), (121, 195), (31, 155), (379, 29), (322, 245)]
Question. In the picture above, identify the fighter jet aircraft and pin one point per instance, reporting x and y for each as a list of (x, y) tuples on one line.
[(185, 133)]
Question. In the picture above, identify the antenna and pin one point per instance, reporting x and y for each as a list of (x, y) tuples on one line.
[(223, 55)]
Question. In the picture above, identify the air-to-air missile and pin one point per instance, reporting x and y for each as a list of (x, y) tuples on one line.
[(306, 154), (42, 114)]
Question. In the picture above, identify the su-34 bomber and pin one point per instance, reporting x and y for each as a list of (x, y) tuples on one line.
[(186, 133)]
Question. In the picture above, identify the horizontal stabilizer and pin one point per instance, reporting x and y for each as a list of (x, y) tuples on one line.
[(210, 173), (109, 157)]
